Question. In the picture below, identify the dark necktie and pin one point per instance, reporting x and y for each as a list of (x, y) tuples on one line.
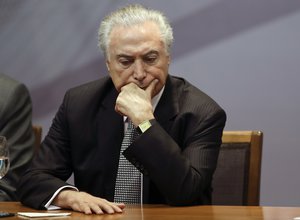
[(128, 182)]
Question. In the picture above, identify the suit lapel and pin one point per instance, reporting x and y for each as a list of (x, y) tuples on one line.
[(167, 107), (110, 128)]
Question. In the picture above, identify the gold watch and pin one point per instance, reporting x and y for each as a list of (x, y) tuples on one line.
[(145, 125)]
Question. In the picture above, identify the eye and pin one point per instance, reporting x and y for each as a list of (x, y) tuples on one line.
[(125, 61), (150, 59)]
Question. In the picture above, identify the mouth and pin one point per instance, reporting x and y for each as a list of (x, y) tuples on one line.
[(142, 86)]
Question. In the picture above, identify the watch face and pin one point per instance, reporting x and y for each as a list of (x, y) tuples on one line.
[(145, 125)]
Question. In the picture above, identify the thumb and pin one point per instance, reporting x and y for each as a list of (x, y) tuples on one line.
[(150, 89)]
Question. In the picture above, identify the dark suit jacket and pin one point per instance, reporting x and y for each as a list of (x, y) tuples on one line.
[(15, 125), (177, 155)]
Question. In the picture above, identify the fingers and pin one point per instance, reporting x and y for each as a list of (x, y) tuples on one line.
[(151, 88), (117, 109), (98, 208), (81, 207), (86, 209), (104, 207), (135, 102), (88, 204), (110, 208), (120, 205)]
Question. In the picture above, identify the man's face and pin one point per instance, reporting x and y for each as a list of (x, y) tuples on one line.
[(137, 54)]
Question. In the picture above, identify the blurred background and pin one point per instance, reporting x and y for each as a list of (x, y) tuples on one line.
[(244, 54)]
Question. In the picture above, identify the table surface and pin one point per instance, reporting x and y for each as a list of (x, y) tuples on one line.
[(157, 212)]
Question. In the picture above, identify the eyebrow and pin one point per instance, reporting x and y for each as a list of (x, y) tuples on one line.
[(130, 57), (124, 55), (151, 52)]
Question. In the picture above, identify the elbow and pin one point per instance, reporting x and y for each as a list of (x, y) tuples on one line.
[(189, 195)]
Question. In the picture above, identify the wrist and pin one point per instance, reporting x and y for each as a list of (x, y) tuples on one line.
[(64, 198), (139, 118)]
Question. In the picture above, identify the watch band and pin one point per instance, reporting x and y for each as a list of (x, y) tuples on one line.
[(145, 125)]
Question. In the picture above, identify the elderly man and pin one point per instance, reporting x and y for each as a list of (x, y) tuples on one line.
[(172, 153)]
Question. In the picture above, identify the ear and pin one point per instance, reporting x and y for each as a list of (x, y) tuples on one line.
[(107, 65), (169, 59)]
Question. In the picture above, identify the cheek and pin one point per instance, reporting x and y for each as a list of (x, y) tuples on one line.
[(120, 78), (160, 74)]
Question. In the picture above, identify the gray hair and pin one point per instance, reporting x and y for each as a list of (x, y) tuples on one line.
[(132, 15)]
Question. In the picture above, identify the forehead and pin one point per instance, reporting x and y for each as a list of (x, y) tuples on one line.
[(139, 38)]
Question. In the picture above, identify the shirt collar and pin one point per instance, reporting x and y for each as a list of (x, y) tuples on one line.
[(156, 98)]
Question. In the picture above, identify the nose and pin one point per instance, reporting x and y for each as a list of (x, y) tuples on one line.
[(139, 72)]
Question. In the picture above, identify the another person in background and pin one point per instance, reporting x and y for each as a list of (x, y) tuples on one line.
[(179, 129), (16, 126)]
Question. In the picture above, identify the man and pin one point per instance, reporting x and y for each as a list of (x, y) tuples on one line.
[(178, 142), (15, 125)]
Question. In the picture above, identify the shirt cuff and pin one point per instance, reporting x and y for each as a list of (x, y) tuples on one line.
[(49, 206)]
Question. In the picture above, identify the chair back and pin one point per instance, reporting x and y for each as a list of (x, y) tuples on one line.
[(236, 180), (37, 130)]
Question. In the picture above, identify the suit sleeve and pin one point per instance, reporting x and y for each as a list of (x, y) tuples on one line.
[(17, 128), (50, 167), (181, 172)]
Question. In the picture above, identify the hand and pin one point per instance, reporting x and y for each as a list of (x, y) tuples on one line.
[(135, 102), (86, 203)]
